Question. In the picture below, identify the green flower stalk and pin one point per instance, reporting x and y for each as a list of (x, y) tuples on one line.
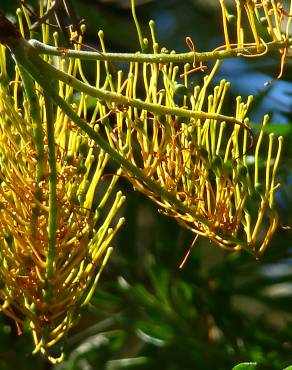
[(50, 259)]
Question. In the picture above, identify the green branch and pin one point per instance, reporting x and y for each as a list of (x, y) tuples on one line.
[(53, 204), (34, 112), (119, 99), (189, 57), (38, 140)]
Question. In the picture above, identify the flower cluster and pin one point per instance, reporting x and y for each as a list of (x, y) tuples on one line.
[(43, 289), (212, 167), (169, 137), (255, 27)]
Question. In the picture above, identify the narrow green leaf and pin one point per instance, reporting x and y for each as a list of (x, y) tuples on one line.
[(245, 366)]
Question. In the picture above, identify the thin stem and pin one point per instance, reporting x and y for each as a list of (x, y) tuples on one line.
[(141, 41), (53, 209)]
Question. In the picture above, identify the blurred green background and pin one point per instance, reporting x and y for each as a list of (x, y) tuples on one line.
[(221, 308)]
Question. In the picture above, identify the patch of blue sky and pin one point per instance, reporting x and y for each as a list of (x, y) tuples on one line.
[(246, 81)]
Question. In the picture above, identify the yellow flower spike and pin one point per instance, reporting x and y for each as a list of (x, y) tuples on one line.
[(25, 285)]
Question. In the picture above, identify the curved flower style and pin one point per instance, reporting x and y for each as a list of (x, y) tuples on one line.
[(44, 287)]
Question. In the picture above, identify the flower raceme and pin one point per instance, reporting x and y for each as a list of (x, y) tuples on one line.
[(42, 288), (211, 167), (168, 136)]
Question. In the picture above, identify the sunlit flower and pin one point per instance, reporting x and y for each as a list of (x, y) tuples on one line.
[(44, 289)]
